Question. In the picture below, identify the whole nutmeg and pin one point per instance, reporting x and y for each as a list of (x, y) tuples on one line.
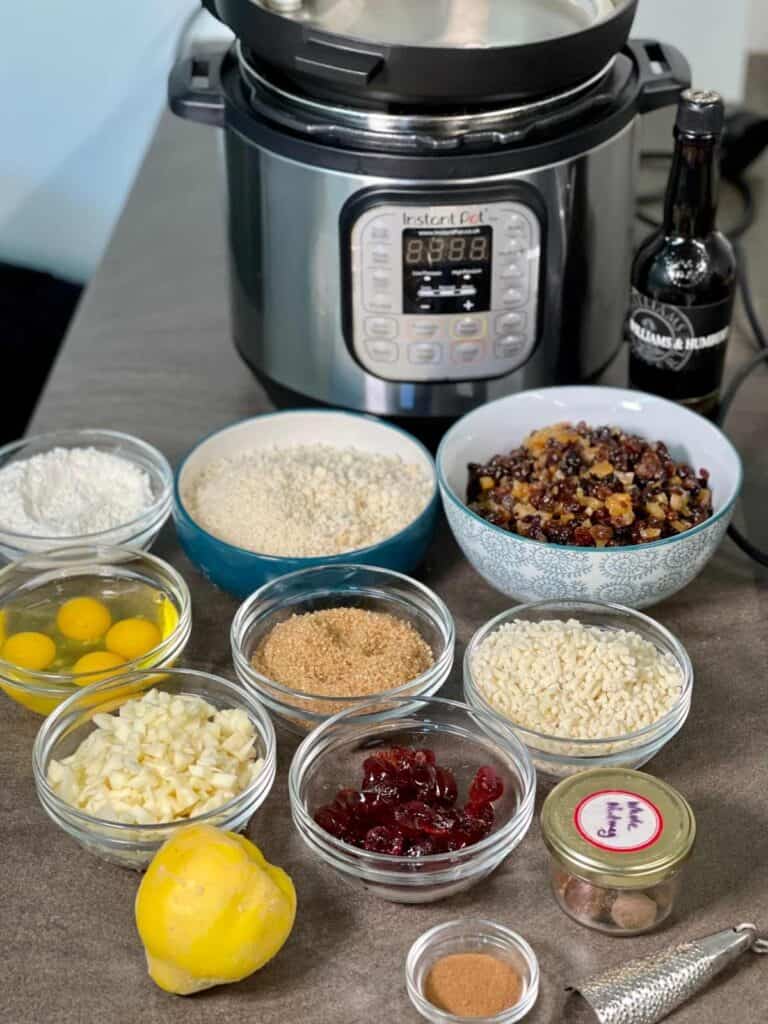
[(585, 900), (560, 879), (634, 911)]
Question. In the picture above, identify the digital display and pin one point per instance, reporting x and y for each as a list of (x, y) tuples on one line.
[(447, 270), (429, 250)]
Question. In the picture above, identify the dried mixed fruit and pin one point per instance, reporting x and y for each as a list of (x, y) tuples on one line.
[(589, 487)]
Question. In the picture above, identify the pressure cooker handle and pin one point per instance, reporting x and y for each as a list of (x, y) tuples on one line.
[(664, 73), (194, 87), (342, 65)]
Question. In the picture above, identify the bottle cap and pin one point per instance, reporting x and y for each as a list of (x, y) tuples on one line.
[(618, 828), (700, 112)]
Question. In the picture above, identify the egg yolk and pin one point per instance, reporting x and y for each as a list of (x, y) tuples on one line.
[(33, 651), (131, 638), (84, 619), (98, 665)]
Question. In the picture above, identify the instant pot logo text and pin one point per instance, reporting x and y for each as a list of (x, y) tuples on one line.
[(454, 219)]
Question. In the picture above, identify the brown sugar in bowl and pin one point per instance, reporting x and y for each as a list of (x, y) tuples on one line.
[(311, 694)]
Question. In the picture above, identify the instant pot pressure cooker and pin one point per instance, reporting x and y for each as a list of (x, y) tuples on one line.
[(430, 202)]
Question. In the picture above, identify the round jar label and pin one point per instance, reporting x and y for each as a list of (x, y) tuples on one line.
[(618, 821)]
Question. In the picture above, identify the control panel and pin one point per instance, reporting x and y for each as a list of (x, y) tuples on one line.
[(444, 292)]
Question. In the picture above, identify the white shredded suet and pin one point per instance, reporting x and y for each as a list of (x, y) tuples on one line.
[(575, 681)]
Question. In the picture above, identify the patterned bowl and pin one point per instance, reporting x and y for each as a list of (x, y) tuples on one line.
[(638, 575)]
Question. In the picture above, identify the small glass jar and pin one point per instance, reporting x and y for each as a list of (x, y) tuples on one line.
[(618, 841)]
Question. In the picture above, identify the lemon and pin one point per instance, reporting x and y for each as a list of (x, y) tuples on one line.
[(33, 651), (84, 619), (98, 664), (132, 638), (211, 910)]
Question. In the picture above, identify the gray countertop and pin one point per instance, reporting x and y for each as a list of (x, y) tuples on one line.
[(149, 353)]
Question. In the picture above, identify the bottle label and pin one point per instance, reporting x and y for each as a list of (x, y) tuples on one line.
[(618, 821), (672, 338)]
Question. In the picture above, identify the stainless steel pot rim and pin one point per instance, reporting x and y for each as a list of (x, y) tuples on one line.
[(380, 124)]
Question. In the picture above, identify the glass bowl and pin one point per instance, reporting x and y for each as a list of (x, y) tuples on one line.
[(463, 739), (557, 756), (137, 533), (472, 935), (133, 846), (43, 691), (332, 586)]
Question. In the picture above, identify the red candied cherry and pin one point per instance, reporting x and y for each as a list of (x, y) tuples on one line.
[(454, 841), (350, 800), (474, 825), (384, 840), (400, 758), (413, 818), (442, 823), (380, 778), (422, 757), (337, 822), (446, 790), (421, 847), (486, 787)]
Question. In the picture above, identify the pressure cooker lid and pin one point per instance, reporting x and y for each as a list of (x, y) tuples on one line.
[(430, 53), (446, 23)]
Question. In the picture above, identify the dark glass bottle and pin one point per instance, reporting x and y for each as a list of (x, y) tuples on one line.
[(684, 276)]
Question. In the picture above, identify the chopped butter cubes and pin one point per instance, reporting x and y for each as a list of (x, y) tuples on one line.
[(162, 758)]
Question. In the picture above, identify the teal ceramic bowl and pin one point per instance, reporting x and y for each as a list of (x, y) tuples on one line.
[(240, 571)]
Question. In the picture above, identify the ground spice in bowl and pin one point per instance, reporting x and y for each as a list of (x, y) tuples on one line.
[(473, 985), (342, 652)]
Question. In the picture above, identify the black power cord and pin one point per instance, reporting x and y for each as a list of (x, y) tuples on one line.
[(745, 137)]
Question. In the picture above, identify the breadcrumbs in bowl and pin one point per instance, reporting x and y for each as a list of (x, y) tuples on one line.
[(316, 641), (583, 684), (290, 490)]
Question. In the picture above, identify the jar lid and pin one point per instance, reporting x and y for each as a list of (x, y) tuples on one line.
[(618, 828)]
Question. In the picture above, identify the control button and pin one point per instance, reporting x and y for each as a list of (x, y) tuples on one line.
[(382, 351), (425, 352), (514, 297), (510, 322), (380, 254), (515, 247), (425, 329), (515, 221), (381, 302), (509, 345), (469, 327), (380, 230), (467, 352), (381, 279), (515, 269), (381, 327)]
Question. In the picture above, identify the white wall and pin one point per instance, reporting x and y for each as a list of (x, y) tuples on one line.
[(758, 26), (82, 86), (711, 33)]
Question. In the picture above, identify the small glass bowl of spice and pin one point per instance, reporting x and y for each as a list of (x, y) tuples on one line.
[(472, 970), (314, 642), (618, 841)]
